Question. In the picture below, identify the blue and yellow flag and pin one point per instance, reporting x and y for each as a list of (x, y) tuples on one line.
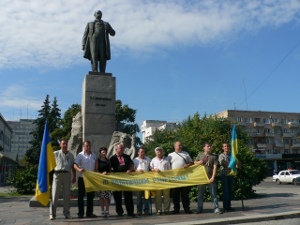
[(234, 151), (46, 164)]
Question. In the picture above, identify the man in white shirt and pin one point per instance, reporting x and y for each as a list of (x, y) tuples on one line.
[(141, 165), (85, 160), (157, 164), (180, 159)]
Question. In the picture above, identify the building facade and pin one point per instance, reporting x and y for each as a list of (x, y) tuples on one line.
[(150, 126), (273, 136), (21, 136)]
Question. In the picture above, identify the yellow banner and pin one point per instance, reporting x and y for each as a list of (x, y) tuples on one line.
[(135, 181)]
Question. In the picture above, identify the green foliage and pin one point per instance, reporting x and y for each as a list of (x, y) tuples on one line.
[(65, 124), (125, 120), (195, 131), (52, 114), (24, 180)]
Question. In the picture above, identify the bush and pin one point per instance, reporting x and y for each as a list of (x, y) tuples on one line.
[(24, 180)]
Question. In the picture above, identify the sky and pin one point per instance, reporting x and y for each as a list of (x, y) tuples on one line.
[(171, 59)]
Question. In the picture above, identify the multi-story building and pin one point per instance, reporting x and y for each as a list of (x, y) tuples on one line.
[(5, 135), (149, 126), (8, 160), (273, 136), (21, 136)]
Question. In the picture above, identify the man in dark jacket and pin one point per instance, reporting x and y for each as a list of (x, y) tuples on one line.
[(95, 42)]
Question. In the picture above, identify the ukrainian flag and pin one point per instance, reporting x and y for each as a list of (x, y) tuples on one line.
[(46, 164), (234, 151)]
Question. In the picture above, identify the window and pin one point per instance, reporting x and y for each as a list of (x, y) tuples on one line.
[(248, 120), (239, 119), (284, 130), (295, 151), (258, 131), (283, 121), (267, 130), (286, 141), (276, 131), (266, 121), (257, 120), (286, 151), (276, 151), (274, 120)]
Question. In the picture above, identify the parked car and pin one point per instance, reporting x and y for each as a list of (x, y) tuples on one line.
[(286, 176)]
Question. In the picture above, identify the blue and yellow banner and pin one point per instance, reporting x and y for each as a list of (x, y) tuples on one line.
[(46, 164), (234, 151), (194, 175)]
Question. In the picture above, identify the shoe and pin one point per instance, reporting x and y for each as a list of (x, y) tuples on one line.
[(167, 212), (198, 211), (147, 213), (51, 217), (189, 212), (217, 211), (120, 214), (230, 209), (175, 212), (132, 215), (158, 213), (68, 217), (91, 216), (103, 213), (107, 214), (80, 216), (139, 213)]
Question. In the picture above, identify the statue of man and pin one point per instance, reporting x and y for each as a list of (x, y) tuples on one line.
[(95, 42)]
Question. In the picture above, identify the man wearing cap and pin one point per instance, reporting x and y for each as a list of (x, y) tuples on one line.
[(141, 165), (157, 164), (180, 159)]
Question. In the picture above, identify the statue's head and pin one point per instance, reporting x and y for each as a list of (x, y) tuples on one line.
[(98, 14)]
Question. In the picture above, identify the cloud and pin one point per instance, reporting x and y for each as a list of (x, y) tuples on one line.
[(10, 97), (48, 33)]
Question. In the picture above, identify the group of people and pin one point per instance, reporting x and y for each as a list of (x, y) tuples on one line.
[(120, 162)]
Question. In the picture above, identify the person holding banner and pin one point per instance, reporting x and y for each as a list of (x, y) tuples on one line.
[(227, 181), (121, 162), (210, 163), (103, 166), (157, 164), (85, 160), (142, 164), (62, 179), (180, 159)]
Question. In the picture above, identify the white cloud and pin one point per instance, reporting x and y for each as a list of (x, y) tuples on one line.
[(48, 33), (13, 96)]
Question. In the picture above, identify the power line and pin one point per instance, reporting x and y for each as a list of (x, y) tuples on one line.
[(246, 99)]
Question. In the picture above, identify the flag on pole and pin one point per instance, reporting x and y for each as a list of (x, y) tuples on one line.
[(234, 151), (46, 164)]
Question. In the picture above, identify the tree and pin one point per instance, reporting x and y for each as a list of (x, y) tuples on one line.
[(46, 112), (125, 120), (64, 130), (195, 131)]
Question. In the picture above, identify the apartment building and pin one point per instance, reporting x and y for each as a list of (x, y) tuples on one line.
[(21, 136), (149, 126), (273, 136)]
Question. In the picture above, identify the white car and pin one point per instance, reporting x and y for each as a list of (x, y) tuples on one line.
[(286, 176)]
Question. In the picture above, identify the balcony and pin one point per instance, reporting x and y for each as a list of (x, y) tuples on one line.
[(276, 124), (261, 145), (278, 144), (270, 135), (295, 145), (258, 124), (287, 135), (293, 125)]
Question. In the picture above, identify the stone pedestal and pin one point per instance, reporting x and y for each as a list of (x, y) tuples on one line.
[(98, 109)]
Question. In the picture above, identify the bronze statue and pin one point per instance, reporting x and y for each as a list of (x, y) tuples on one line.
[(95, 42)]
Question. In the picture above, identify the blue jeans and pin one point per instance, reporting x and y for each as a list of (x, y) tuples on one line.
[(141, 201), (227, 183), (212, 187)]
